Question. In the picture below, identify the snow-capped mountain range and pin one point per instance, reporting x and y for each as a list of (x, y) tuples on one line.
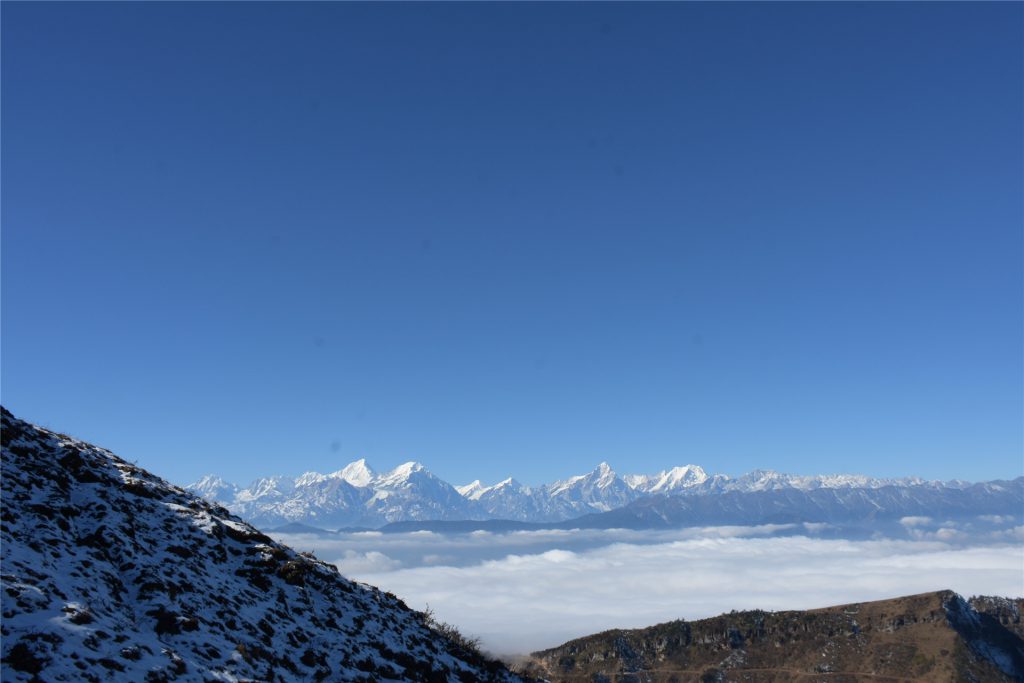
[(112, 574), (357, 496)]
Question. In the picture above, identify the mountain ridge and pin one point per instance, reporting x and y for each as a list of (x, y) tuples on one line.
[(357, 496), (936, 637)]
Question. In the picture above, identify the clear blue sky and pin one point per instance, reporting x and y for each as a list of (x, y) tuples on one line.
[(517, 239)]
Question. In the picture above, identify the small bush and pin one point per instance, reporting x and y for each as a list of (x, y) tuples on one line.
[(451, 633)]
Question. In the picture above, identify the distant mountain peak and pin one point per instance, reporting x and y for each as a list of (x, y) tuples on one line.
[(470, 489), (679, 478), (508, 484), (210, 480), (477, 491), (405, 470), (269, 487), (357, 473), (308, 478), (213, 487), (605, 475)]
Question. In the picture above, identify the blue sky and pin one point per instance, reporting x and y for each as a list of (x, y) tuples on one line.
[(517, 239)]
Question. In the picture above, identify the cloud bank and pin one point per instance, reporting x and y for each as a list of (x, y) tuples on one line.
[(525, 591)]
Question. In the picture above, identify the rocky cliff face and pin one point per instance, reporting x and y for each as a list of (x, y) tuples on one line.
[(110, 573), (929, 637)]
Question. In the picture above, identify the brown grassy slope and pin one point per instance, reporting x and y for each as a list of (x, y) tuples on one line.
[(935, 637)]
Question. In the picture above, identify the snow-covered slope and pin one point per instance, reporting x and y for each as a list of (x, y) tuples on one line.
[(411, 492), (311, 498), (110, 573), (675, 480), (597, 491), (356, 496), (508, 499), (357, 473)]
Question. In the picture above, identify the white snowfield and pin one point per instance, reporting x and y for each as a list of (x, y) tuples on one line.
[(112, 574), (357, 496)]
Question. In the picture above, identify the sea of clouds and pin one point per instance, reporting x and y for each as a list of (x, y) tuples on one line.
[(528, 590)]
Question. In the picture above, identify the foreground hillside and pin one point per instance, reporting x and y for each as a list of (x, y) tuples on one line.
[(110, 573), (929, 637)]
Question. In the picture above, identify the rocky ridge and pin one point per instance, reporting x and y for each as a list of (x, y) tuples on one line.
[(937, 637)]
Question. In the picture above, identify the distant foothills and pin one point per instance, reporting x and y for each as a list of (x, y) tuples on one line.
[(410, 497)]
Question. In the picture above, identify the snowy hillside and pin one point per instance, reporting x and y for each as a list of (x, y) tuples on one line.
[(110, 573)]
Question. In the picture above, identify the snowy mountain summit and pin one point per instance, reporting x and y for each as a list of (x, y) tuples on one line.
[(357, 473), (111, 573), (668, 481)]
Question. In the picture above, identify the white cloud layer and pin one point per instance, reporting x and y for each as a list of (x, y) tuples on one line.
[(529, 590)]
